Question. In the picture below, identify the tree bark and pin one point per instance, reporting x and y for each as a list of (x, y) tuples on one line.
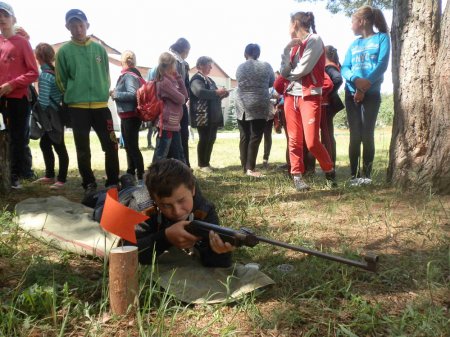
[(123, 279), (5, 171), (435, 171), (415, 48)]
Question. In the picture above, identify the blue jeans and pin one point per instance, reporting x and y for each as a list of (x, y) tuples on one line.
[(362, 118), (168, 141)]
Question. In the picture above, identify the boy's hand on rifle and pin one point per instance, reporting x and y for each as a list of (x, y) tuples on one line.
[(179, 237), (217, 245)]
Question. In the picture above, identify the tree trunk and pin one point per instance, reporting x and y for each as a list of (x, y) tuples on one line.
[(435, 171), (413, 159), (5, 171)]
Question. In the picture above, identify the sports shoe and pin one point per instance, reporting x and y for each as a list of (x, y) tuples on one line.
[(265, 164), (354, 181), (254, 174), (300, 184), (366, 181), (15, 184), (44, 180), (57, 186), (331, 178), (90, 189), (206, 169), (127, 180)]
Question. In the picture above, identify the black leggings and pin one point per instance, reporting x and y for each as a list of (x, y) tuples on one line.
[(362, 118), (130, 132), (46, 145)]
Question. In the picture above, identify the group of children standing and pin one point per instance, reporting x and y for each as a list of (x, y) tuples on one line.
[(310, 77)]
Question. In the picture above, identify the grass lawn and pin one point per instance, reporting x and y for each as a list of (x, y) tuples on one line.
[(47, 292)]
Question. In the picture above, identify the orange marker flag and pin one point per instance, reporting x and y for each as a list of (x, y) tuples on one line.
[(119, 219)]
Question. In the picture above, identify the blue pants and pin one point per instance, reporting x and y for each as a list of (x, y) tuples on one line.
[(168, 141)]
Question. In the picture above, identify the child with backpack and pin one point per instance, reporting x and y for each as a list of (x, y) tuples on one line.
[(171, 90), (50, 96), (125, 97)]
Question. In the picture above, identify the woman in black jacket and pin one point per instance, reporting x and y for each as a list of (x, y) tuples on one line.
[(205, 110)]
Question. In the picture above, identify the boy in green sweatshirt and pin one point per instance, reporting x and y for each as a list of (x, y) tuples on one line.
[(82, 74)]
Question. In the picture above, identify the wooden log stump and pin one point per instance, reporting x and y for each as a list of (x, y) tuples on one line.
[(123, 279)]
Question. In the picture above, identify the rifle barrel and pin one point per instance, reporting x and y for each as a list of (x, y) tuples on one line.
[(370, 263)]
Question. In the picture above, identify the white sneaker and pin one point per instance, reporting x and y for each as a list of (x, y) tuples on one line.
[(206, 169), (254, 174), (366, 181), (300, 184), (355, 182)]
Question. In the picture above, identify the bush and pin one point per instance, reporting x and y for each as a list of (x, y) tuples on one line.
[(385, 115)]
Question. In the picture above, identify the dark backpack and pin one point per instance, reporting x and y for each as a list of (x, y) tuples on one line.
[(149, 105)]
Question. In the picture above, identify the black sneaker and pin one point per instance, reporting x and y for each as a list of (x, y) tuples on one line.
[(127, 180), (90, 189), (331, 179)]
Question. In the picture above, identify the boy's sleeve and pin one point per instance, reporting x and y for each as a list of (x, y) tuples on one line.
[(61, 71), (208, 257), (150, 240), (32, 72), (105, 55)]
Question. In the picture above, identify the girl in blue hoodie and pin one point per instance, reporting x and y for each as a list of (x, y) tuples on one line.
[(366, 61)]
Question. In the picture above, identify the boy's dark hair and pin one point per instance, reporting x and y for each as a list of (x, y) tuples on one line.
[(166, 175), (181, 45), (253, 51)]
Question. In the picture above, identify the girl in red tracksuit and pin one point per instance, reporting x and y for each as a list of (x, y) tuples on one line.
[(303, 64)]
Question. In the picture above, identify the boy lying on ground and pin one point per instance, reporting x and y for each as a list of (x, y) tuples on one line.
[(176, 201)]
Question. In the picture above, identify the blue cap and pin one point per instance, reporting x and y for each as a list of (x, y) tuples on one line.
[(75, 14), (7, 8)]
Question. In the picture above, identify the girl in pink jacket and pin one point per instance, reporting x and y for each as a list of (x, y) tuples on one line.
[(171, 90), (18, 69)]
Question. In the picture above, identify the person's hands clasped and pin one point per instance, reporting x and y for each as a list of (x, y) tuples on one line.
[(358, 97), (222, 92), (179, 237), (362, 84), (217, 244)]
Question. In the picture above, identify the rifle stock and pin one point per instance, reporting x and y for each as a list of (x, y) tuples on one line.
[(245, 237)]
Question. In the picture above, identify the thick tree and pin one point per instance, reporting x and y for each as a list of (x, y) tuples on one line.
[(420, 145)]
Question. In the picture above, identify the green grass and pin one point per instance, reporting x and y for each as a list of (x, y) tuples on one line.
[(46, 292)]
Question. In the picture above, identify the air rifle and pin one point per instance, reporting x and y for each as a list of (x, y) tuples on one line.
[(245, 237)]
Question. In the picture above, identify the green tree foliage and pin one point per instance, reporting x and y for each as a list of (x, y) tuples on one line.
[(349, 6)]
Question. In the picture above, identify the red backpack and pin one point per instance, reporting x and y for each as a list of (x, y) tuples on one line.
[(149, 105)]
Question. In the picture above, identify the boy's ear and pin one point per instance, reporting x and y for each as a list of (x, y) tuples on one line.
[(87, 25), (193, 191), (67, 26)]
